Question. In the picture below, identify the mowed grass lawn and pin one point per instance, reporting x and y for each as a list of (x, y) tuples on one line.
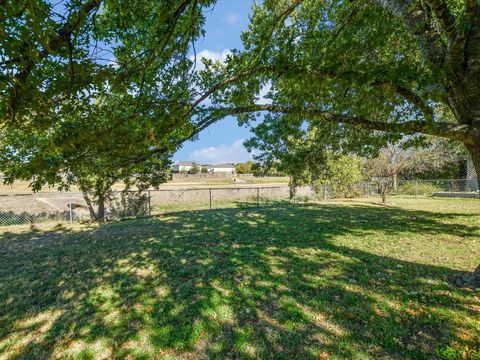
[(346, 280)]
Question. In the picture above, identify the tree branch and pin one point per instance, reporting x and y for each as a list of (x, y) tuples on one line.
[(419, 24), (461, 133), (63, 36), (456, 51), (295, 70), (444, 16)]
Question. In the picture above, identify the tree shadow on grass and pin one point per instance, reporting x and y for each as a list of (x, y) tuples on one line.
[(283, 282)]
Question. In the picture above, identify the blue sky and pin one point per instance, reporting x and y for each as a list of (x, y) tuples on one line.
[(221, 142)]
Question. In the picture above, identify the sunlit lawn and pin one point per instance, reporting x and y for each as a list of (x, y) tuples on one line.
[(339, 280)]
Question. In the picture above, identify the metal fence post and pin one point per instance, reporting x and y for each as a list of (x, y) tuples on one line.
[(149, 204), (416, 188), (258, 196), (70, 211), (210, 197)]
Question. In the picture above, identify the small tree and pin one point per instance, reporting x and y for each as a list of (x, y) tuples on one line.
[(94, 176), (298, 155), (195, 169), (93, 148), (244, 168), (385, 168), (406, 159)]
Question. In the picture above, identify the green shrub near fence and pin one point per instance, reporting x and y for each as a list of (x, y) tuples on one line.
[(417, 188)]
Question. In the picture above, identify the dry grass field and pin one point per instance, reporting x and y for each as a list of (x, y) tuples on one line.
[(22, 187), (18, 204)]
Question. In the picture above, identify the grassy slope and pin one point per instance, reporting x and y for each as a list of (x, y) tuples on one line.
[(343, 280)]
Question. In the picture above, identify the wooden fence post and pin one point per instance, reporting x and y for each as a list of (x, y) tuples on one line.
[(149, 204), (210, 197)]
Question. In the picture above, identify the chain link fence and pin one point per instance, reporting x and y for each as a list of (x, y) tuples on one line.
[(429, 187), (467, 188), (17, 209), (33, 208)]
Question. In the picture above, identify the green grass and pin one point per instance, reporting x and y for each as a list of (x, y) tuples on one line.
[(345, 280), (247, 202)]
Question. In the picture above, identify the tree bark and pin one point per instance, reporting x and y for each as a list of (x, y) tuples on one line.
[(292, 185), (101, 208), (473, 279), (383, 192), (474, 151), (91, 210)]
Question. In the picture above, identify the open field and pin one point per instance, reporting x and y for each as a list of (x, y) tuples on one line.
[(22, 187), (227, 181), (347, 279)]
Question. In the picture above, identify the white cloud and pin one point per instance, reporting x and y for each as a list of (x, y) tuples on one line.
[(212, 55), (212, 155), (231, 18)]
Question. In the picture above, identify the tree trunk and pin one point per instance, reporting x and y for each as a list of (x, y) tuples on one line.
[(474, 278), (384, 196), (292, 185), (474, 151), (101, 209), (100, 214), (91, 210), (470, 280)]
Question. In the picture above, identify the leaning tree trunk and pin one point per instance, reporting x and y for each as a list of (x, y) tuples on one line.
[(395, 183), (474, 151), (101, 208), (91, 210), (383, 192), (473, 279), (100, 214)]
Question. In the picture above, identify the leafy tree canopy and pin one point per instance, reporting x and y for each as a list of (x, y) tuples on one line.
[(94, 92), (366, 71)]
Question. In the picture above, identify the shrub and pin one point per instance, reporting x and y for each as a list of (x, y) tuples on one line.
[(417, 188), (129, 203)]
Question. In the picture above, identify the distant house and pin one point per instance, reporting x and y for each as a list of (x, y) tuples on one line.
[(183, 166), (222, 168), (186, 166)]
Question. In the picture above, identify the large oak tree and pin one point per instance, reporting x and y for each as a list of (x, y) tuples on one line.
[(368, 71), (395, 66)]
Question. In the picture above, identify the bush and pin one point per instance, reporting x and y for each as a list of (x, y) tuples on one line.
[(417, 188), (348, 191), (129, 203), (342, 176)]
